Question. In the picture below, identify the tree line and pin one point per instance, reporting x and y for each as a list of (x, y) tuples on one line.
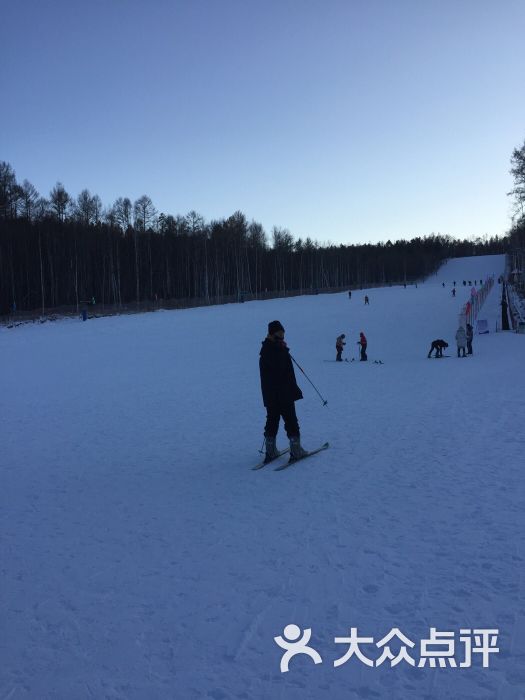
[(517, 231), (62, 250)]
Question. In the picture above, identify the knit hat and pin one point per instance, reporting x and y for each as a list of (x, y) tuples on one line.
[(275, 326)]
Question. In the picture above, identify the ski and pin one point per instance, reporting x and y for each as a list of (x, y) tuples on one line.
[(265, 462), (308, 454)]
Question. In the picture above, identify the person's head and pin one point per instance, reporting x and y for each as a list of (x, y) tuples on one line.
[(343, 335), (276, 329)]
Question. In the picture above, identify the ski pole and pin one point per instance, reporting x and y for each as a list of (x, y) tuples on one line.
[(302, 370)]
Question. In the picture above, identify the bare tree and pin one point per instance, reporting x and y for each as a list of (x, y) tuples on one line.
[(88, 208), (96, 203), (7, 184), (123, 210), (282, 246), (145, 218), (59, 201), (518, 173), (17, 196), (30, 198), (195, 222), (84, 208), (144, 213), (41, 208), (257, 243)]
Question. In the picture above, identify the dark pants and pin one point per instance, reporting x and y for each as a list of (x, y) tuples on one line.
[(273, 415), (338, 358), (469, 347), (437, 348), (364, 358)]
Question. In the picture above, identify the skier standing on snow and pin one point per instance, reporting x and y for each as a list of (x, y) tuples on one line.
[(438, 346), (279, 391), (363, 343), (339, 345), (367, 301), (470, 336), (461, 340)]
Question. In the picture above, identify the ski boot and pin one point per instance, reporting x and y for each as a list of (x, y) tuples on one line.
[(271, 449), (296, 451)]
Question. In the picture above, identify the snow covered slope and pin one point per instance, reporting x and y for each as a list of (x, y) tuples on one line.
[(142, 558)]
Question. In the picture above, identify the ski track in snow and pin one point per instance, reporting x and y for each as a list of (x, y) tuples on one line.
[(142, 558)]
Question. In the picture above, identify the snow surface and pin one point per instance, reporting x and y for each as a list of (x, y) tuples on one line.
[(142, 558)]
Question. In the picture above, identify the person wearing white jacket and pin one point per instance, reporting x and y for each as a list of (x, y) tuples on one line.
[(461, 340)]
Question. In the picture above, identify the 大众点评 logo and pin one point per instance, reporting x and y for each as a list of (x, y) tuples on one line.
[(438, 650)]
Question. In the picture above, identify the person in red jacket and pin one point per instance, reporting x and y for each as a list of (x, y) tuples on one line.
[(362, 342)]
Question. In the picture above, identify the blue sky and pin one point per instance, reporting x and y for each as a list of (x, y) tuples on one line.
[(348, 121)]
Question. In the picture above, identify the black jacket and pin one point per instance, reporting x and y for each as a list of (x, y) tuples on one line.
[(278, 383)]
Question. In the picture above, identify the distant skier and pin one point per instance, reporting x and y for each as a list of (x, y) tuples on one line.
[(349, 294), (438, 346), (367, 300), (280, 391), (339, 345), (363, 343), (454, 292), (443, 284), (470, 336), (461, 341)]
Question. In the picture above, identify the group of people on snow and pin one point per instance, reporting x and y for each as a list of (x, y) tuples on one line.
[(465, 283), (280, 390), (367, 300), (463, 340), (340, 343), (279, 386)]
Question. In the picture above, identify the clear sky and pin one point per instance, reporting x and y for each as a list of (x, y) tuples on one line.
[(342, 120)]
